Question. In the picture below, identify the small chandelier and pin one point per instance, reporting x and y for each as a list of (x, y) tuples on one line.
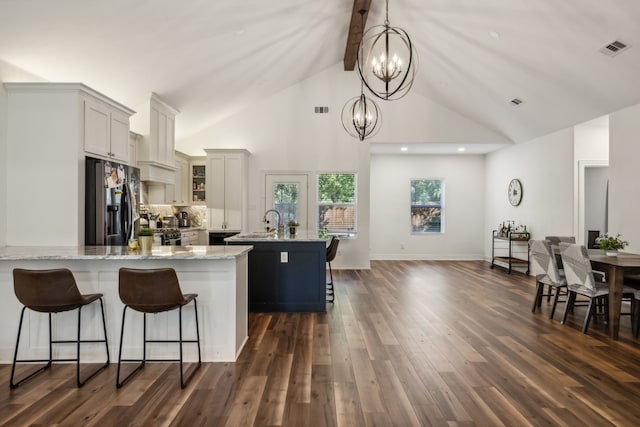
[(361, 117), (382, 69)]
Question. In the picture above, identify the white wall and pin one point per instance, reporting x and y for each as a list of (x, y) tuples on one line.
[(544, 166), (391, 236), (624, 175), (8, 73), (283, 133)]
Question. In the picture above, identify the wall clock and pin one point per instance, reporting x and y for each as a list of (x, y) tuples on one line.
[(515, 192)]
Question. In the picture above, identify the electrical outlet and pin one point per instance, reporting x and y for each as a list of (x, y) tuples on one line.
[(284, 257)]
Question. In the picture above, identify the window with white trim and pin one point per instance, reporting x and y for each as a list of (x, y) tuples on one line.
[(337, 204), (427, 206)]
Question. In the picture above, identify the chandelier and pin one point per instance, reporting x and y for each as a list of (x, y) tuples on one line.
[(361, 117), (381, 66)]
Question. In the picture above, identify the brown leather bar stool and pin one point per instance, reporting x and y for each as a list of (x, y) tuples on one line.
[(154, 291), (53, 291), (332, 250)]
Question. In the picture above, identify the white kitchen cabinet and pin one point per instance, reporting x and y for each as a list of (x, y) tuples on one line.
[(181, 193), (106, 131), (155, 121), (159, 194), (226, 188), (47, 133), (190, 237)]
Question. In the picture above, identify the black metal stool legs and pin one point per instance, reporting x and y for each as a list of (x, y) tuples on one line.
[(78, 341), (183, 383), (144, 349), (79, 382), (330, 292), (180, 341), (13, 384)]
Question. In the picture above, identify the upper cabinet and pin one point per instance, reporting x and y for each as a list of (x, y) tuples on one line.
[(226, 188), (155, 121), (49, 131), (181, 188), (106, 130)]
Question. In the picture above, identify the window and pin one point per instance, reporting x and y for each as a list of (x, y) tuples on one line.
[(337, 204), (427, 204), (285, 201)]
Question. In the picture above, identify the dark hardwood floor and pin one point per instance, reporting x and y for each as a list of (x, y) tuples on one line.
[(405, 344)]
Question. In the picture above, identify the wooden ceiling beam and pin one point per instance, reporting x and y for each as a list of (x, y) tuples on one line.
[(356, 28)]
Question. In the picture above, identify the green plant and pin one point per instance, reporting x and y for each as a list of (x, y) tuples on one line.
[(292, 223), (608, 243), (144, 231)]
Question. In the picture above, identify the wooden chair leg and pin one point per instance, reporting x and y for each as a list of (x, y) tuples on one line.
[(591, 312), (568, 305), (537, 297), (555, 302)]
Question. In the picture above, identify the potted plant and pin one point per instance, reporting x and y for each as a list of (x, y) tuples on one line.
[(611, 245), (145, 235), (292, 227)]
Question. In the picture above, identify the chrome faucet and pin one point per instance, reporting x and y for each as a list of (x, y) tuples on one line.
[(279, 217)]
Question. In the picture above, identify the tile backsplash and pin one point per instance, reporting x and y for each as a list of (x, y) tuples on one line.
[(197, 214)]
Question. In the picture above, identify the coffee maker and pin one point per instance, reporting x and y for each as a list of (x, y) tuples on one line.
[(184, 219)]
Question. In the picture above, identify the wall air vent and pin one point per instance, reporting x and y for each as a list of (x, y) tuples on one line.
[(321, 110), (516, 101), (614, 48)]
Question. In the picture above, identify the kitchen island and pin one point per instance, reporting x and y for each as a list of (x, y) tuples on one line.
[(287, 273), (218, 274)]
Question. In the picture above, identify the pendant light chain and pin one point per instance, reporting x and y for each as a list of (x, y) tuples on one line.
[(387, 60), (386, 20)]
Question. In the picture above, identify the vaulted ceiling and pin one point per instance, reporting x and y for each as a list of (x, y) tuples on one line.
[(210, 59)]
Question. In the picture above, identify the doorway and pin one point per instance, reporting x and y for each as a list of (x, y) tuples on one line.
[(288, 194), (593, 179)]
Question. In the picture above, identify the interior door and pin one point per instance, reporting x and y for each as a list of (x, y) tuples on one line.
[(287, 193)]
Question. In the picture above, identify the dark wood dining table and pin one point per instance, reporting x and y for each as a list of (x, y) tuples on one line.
[(615, 268)]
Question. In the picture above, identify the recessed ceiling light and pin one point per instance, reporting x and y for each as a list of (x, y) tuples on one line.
[(494, 34), (461, 149), (404, 149)]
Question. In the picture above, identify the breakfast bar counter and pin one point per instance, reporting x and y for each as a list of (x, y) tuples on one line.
[(218, 274)]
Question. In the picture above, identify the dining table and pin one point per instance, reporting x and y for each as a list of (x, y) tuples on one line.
[(615, 269)]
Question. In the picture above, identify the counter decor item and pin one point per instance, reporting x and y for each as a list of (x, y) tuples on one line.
[(610, 245), (292, 227), (145, 236)]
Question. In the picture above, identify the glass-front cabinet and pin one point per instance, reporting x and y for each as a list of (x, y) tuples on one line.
[(198, 181)]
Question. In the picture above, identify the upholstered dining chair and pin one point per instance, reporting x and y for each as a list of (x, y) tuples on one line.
[(545, 269), (581, 281)]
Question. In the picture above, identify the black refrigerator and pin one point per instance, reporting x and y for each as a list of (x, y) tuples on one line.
[(112, 202)]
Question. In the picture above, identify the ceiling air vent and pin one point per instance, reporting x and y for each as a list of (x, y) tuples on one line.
[(516, 101), (614, 48), (321, 110)]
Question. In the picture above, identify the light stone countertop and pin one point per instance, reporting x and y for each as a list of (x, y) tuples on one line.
[(17, 253), (261, 236)]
